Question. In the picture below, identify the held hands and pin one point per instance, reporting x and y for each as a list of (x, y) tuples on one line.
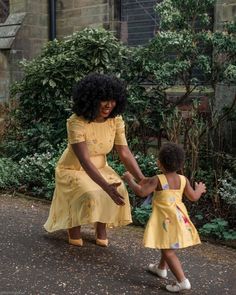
[(200, 187), (113, 193)]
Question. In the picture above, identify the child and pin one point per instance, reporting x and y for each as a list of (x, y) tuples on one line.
[(169, 227)]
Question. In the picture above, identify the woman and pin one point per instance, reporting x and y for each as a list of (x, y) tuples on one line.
[(87, 189)]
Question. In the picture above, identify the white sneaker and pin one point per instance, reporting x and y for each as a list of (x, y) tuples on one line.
[(184, 285), (153, 268)]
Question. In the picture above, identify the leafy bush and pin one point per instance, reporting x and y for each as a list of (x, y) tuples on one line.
[(37, 174), (9, 174), (218, 228), (44, 94), (227, 189), (33, 175), (141, 214)]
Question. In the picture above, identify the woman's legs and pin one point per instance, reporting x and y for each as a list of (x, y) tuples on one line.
[(169, 256), (101, 231), (74, 232)]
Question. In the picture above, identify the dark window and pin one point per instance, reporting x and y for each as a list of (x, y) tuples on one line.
[(4, 10), (139, 21)]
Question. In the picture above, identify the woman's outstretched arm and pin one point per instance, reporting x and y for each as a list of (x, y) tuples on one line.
[(129, 161)]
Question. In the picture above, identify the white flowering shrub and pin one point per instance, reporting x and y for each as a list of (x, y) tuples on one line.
[(227, 189)]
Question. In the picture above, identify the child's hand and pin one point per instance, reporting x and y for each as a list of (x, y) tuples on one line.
[(127, 176), (200, 187)]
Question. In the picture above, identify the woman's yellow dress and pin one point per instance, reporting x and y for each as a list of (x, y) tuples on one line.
[(77, 199), (169, 226)]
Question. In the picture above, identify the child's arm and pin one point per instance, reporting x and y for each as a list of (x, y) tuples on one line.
[(194, 195), (144, 188)]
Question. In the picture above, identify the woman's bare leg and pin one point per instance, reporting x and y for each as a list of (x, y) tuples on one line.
[(74, 232), (101, 230), (174, 264)]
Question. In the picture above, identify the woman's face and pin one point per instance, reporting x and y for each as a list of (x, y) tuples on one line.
[(105, 109)]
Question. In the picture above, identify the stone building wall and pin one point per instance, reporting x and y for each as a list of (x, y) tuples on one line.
[(225, 10), (71, 16), (74, 15), (34, 31), (30, 20)]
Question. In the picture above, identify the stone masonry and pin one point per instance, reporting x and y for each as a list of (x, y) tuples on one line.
[(25, 39)]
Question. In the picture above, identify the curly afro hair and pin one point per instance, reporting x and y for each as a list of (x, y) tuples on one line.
[(171, 157), (93, 89)]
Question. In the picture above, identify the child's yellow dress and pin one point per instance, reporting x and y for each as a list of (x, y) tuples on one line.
[(169, 226), (77, 199)]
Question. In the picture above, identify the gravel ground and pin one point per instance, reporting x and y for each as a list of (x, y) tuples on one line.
[(35, 262)]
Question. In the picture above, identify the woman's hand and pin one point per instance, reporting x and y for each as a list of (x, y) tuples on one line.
[(111, 190)]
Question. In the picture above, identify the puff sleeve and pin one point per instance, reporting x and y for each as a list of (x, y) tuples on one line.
[(75, 129), (120, 138)]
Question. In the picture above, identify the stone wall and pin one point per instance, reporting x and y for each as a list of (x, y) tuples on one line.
[(32, 35), (74, 15), (34, 32), (225, 10), (27, 41)]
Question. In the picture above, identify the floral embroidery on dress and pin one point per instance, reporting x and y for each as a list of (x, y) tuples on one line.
[(186, 221), (166, 223), (165, 186), (179, 214), (171, 199), (175, 246), (90, 206)]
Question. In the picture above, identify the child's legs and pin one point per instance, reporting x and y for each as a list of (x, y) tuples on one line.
[(174, 264)]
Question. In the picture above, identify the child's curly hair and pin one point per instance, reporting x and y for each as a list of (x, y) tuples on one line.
[(171, 157), (95, 88)]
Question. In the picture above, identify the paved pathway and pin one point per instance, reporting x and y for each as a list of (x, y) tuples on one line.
[(34, 262)]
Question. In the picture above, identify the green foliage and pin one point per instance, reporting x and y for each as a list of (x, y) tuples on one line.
[(147, 164), (227, 189), (37, 174), (183, 14), (218, 228), (141, 214), (32, 175), (44, 94), (9, 175), (143, 116)]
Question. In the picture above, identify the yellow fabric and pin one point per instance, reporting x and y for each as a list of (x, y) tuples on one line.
[(169, 226), (77, 199)]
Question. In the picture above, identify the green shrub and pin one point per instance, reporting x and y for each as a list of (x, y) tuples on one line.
[(141, 214), (9, 174), (218, 228), (37, 174), (227, 189), (44, 94)]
